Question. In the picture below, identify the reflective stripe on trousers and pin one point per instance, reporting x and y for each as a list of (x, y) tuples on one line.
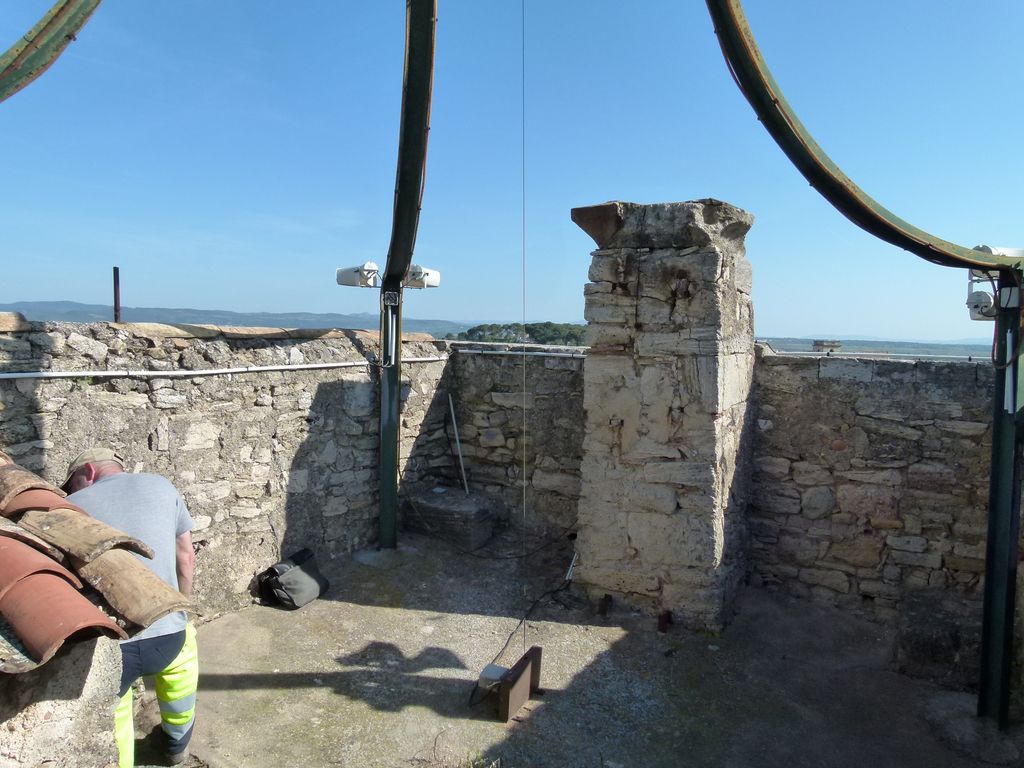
[(176, 693)]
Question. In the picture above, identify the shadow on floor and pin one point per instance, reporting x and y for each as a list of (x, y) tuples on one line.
[(382, 676)]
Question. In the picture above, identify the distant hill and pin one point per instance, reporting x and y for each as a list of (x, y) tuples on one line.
[(73, 312)]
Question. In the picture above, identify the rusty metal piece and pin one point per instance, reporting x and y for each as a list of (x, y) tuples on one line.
[(664, 621), (79, 535), (38, 498), (755, 81), (44, 611), (517, 685), (14, 531), (18, 560), (15, 479), (130, 588), (117, 295), (36, 51)]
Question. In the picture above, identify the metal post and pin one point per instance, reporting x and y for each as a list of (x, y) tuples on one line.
[(458, 444), (390, 391), (1004, 511), (117, 295)]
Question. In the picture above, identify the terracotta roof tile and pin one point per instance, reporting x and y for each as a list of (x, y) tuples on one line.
[(15, 479), (38, 498), (40, 606), (44, 611), (18, 560), (14, 531), (79, 534)]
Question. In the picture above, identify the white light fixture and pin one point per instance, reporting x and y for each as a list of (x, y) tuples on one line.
[(422, 277), (981, 304), (366, 275)]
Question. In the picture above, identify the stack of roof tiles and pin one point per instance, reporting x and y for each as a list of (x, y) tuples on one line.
[(50, 553)]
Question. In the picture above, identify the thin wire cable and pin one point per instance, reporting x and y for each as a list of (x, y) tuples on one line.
[(522, 477)]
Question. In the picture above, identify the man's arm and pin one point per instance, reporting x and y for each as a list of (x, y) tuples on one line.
[(186, 562)]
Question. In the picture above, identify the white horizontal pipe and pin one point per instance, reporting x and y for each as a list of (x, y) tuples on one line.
[(182, 374), (460, 342), (519, 353)]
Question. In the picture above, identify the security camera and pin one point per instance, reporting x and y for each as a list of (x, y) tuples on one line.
[(364, 276), (981, 305), (422, 277)]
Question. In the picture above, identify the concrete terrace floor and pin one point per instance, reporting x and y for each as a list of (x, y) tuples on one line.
[(379, 673)]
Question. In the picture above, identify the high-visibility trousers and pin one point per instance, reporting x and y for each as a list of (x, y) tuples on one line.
[(176, 684)]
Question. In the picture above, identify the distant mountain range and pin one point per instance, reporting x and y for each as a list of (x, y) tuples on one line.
[(73, 312)]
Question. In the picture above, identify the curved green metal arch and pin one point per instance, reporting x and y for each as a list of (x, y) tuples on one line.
[(757, 84), (33, 54), (414, 130)]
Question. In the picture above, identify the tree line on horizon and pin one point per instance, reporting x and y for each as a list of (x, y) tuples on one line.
[(558, 334)]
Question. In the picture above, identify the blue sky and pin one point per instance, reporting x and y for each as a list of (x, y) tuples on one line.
[(232, 154)]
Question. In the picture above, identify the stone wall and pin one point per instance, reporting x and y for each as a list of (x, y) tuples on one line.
[(62, 713), (871, 478), (666, 390), (488, 391), (268, 461)]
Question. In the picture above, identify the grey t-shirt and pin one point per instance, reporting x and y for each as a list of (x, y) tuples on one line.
[(149, 508)]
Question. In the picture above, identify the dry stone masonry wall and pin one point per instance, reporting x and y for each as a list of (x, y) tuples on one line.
[(871, 479), (268, 461), (666, 390), (488, 391)]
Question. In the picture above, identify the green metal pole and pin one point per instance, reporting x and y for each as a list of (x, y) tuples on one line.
[(1004, 511), (390, 396), (420, 25)]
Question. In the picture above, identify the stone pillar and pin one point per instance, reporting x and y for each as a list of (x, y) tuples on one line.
[(667, 381), (63, 712)]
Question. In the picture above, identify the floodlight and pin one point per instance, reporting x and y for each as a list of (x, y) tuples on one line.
[(366, 275), (422, 277)]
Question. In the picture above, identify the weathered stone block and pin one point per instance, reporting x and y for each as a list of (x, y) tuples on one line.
[(806, 473), (780, 500), (834, 580), (907, 543), (557, 482), (964, 564), (862, 551), (816, 503), (844, 370), (691, 474), (772, 466), (867, 501), (922, 560)]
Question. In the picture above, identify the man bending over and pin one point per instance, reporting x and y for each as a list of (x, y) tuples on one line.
[(149, 508)]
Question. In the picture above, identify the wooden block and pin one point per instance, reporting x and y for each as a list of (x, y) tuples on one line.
[(130, 587), (516, 685), (78, 534)]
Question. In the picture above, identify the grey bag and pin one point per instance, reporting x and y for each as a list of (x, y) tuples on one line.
[(293, 582)]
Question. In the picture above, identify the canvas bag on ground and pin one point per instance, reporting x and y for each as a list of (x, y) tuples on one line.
[(293, 582)]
